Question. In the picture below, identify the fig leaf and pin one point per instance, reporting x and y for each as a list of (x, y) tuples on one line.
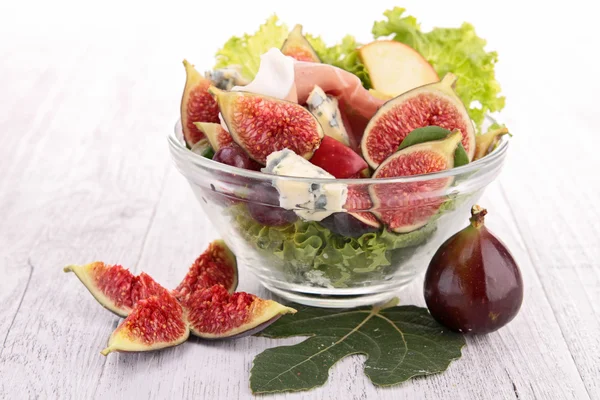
[(400, 342)]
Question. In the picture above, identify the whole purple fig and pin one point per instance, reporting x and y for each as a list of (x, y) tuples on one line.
[(473, 284)]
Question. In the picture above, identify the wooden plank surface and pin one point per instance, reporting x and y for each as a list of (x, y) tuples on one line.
[(85, 106)]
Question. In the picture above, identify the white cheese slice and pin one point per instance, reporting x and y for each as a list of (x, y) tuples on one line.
[(310, 201), (275, 78)]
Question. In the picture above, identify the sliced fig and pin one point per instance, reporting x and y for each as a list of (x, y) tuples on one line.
[(433, 104), (429, 133), (407, 206), (297, 47), (154, 323), (214, 313), (216, 135), (217, 265), (338, 159), (262, 125), (355, 222), (485, 144), (197, 105), (115, 287), (359, 199)]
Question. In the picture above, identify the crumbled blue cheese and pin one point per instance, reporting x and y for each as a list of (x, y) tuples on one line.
[(310, 201), (325, 109), (226, 78)]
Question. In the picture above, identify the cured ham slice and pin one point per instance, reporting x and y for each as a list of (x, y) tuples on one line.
[(357, 104), (337, 82)]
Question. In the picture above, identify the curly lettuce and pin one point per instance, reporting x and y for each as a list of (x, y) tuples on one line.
[(456, 50), (305, 250), (343, 55), (245, 51)]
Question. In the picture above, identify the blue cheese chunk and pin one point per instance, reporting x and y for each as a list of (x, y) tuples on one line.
[(325, 109), (310, 201), (226, 78)]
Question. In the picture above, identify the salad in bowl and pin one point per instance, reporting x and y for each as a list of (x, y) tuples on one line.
[(335, 172)]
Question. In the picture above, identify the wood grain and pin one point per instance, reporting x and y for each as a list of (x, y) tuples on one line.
[(85, 106)]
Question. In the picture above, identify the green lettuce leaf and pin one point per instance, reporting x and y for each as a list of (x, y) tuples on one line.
[(456, 50), (308, 251), (343, 55), (246, 50)]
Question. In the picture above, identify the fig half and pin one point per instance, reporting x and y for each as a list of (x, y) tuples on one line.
[(407, 206), (262, 125), (216, 135), (154, 323), (433, 104), (473, 284), (214, 313), (297, 47), (197, 105), (115, 287), (357, 221), (217, 265), (486, 143)]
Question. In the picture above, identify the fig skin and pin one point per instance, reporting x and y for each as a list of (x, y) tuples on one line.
[(473, 284)]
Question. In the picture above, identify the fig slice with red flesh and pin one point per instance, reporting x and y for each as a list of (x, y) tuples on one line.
[(197, 105), (214, 313), (297, 47), (338, 159), (115, 287), (217, 265), (355, 222), (216, 135), (359, 199), (433, 104), (407, 206), (486, 143), (262, 125), (154, 323)]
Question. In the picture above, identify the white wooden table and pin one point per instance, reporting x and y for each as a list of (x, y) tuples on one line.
[(87, 97)]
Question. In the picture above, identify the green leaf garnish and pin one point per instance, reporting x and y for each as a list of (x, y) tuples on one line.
[(456, 50), (429, 133), (400, 343)]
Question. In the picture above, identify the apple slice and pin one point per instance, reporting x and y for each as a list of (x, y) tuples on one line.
[(338, 159), (395, 68)]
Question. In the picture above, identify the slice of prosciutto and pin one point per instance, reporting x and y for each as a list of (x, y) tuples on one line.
[(357, 104)]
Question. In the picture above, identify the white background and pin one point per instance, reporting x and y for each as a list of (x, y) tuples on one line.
[(88, 92)]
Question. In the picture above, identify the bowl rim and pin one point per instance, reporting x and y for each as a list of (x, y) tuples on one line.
[(489, 161)]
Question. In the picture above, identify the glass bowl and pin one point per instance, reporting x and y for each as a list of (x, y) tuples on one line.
[(335, 262)]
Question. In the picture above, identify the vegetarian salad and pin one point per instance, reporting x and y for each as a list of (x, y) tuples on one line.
[(284, 103)]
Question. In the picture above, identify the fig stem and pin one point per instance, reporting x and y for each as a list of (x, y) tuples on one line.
[(106, 351), (449, 80), (69, 268), (477, 216)]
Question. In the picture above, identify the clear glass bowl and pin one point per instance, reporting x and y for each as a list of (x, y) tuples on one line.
[(317, 263)]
